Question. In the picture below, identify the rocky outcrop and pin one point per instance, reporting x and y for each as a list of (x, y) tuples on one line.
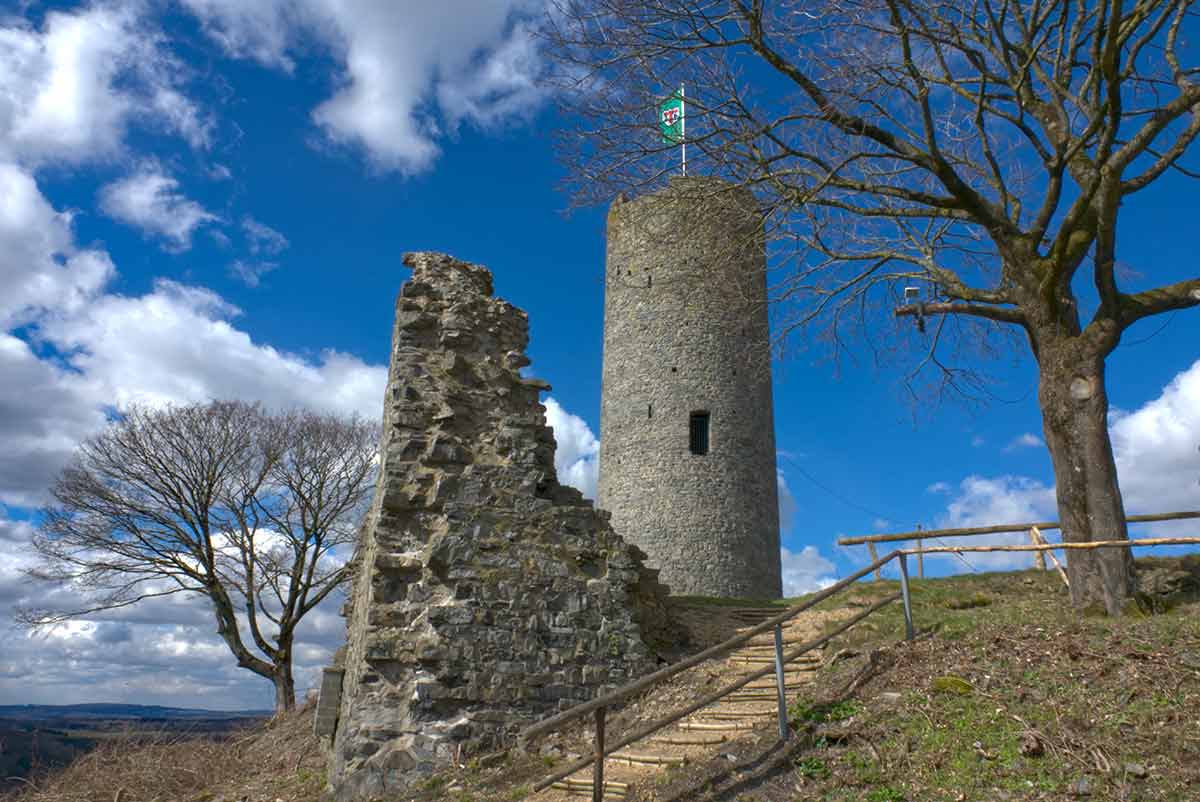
[(486, 594)]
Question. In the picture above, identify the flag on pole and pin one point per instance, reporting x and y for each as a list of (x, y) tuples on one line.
[(670, 118)]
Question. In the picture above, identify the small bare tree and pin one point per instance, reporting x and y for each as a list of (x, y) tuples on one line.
[(980, 151), (225, 500)]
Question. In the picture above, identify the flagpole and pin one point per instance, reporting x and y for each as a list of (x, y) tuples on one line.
[(683, 128)]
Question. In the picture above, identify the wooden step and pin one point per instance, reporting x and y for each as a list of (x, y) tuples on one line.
[(684, 739), (789, 642), (769, 659), (710, 726), (583, 787), (727, 715), (646, 759), (762, 685), (754, 696)]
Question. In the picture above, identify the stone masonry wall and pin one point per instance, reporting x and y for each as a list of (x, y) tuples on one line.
[(685, 331), (486, 594)]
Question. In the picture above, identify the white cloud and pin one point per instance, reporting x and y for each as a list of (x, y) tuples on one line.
[(150, 200), (47, 410), (1157, 448), (410, 71), (162, 651), (787, 501), (984, 501), (178, 344), (69, 91), (251, 273), (174, 344), (1157, 451), (1005, 499), (262, 239), (1026, 440), (805, 571), (577, 450), (939, 488), (40, 266), (261, 30)]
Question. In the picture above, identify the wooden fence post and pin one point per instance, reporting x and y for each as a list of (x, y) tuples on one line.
[(1035, 537), (875, 558), (1040, 539)]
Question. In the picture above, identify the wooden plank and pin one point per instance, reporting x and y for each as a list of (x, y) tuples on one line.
[(993, 530), (650, 680), (666, 721), (875, 558)]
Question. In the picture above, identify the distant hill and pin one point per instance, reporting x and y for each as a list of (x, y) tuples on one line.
[(36, 738), (108, 711)]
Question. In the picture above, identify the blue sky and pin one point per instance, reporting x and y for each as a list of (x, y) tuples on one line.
[(210, 198)]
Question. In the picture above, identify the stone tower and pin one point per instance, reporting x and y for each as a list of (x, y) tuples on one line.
[(687, 443)]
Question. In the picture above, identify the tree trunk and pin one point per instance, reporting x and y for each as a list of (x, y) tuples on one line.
[(1074, 403), (285, 687)]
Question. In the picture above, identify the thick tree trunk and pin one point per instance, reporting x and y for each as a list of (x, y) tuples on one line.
[(285, 687), (1074, 404)]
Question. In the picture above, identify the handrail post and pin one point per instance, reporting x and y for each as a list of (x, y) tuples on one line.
[(1035, 537), (598, 766), (875, 558), (783, 721), (908, 621)]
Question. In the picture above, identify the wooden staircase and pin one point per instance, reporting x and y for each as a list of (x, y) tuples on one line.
[(701, 735)]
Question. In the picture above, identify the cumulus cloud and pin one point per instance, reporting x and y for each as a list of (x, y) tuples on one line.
[(150, 200), (1157, 451), (805, 571), (1157, 448), (178, 344), (987, 501), (69, 91), (410, 73), (40, 266), (577, 450)]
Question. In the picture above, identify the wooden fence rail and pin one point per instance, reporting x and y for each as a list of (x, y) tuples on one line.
[(969, 531)]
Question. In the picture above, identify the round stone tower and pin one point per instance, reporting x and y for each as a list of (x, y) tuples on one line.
[(687, 438)]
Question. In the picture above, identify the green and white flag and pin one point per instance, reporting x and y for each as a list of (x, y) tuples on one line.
[(670, 118)]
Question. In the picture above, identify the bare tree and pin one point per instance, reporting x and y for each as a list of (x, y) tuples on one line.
[(979, 150), (224, 500)]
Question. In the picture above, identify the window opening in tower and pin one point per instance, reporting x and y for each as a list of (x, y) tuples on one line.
[(698, 433)]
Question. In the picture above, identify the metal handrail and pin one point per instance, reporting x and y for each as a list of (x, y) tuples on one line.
[(599, 706), (663, 674)]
